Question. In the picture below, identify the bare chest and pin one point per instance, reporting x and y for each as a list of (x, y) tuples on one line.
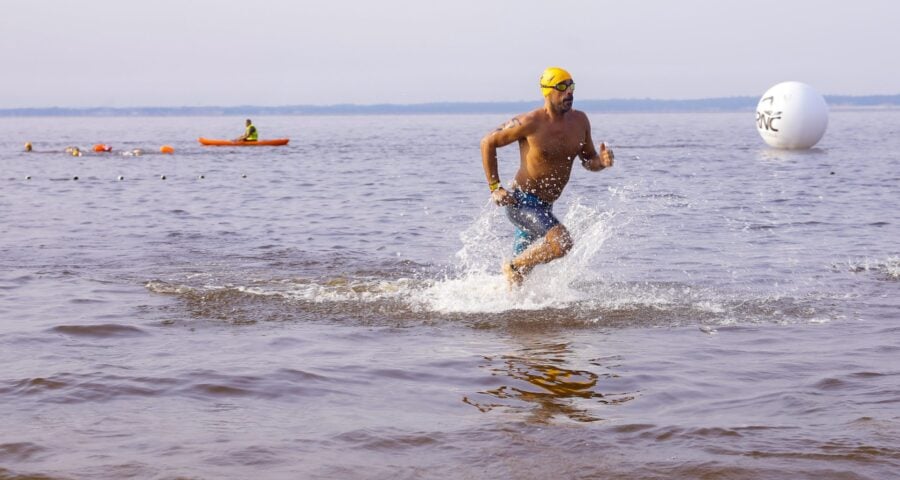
[(555, 143)]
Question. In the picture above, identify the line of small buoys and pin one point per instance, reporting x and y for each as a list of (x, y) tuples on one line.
[(121, 177), (105, 148)]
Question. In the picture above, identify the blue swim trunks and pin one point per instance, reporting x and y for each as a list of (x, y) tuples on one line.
[(532, 217)]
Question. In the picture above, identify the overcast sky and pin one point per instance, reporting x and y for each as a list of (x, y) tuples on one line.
[(122, 53)]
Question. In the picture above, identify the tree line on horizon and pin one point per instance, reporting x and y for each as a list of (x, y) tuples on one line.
[(649, 105)]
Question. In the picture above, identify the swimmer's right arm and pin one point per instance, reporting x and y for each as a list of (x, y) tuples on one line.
[(511, 131)]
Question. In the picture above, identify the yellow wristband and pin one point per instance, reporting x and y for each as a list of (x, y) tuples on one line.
[(494, 185)]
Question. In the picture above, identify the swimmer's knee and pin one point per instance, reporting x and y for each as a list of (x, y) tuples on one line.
[(560, 241)]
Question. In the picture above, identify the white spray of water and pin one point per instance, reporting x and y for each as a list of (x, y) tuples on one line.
[(889, 267), (892, 267), (480, 287)]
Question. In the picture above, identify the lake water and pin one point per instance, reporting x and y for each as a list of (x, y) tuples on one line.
[(335, 309)]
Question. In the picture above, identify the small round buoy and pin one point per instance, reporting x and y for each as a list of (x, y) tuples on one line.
[(166, 149)]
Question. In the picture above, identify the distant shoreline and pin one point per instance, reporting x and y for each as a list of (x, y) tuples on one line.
[(722, 104)]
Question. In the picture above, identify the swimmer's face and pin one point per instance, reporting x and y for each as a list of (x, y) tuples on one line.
[(564, 94)]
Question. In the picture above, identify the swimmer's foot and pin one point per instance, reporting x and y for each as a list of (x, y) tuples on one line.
[(513, 275)]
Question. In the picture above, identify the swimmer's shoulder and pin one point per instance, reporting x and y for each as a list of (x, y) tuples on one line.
[(532, 118), (581, 116)]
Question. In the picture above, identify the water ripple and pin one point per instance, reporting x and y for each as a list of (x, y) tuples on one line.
[(110, 330)]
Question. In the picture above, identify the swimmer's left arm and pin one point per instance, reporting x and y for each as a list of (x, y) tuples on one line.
[(590, 158)]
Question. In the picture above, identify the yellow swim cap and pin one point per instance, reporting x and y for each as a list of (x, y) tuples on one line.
[(551, 77), (27, 146)]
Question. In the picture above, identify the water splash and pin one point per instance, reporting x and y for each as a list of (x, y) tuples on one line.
[(477, 284), (889, 268)]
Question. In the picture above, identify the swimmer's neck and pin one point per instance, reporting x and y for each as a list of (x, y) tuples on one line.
[(555, 112)]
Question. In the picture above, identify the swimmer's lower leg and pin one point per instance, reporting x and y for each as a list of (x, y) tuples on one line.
[(556, 244), (514, 276)]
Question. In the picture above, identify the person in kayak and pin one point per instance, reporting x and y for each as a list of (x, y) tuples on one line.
[(250, 134), (549, 139)]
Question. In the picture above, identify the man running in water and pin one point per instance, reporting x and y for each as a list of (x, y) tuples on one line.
[(549, 140)]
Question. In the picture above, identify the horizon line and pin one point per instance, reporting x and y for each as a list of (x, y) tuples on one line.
[(648, 104)]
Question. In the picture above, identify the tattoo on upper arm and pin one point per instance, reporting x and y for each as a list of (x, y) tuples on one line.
[(510, 124)]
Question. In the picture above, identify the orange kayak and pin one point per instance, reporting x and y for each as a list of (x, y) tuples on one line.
[(212, 142)]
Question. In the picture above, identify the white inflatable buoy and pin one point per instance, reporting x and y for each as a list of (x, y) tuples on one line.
[(791, 115)]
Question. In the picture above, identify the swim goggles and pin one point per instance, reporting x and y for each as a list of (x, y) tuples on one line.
[(562, 86)]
